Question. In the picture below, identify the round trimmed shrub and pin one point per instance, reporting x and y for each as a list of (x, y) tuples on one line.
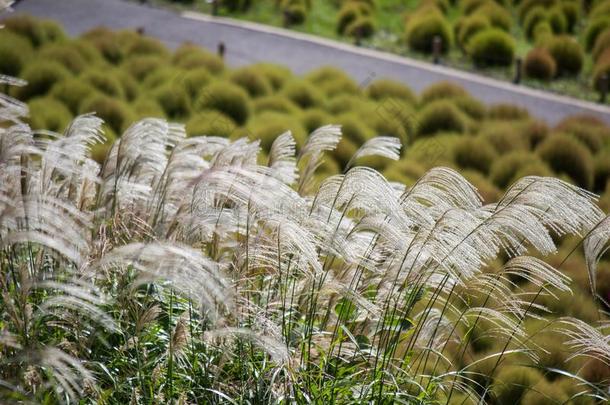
[(344, 151), (189, 56), (602, 172), (71, 92), (162, 76), (141, 66), (498, 16), (194, 80), (601, 68), (210, 123), (533, 18), (275, 103), (594, 28), (146, 107), (174, 101), (348, 103), (591, 132), (421, 30), (354, 128), (544, 393), (442, 91), (332, 81), (115, 113), (303, 94), (567, 53), (514, 165), (40, 77), (571, 12), (474, 153), (295, 14), (128, 84), (268, 126), (513, 382), (65, 54), (251, 80), (277, 75), (601, 44), (388, 127), (492, 47), (103, 82), (508, 112), (565, 154), (470, 26), (472, 107), (503, 137), (87, 51), (349, 13), (49, 114), (534, 132), (106, 43), (100, 151), (26, 26), (470, 6), (539, 64), (53, 32), (142, 45), (440, 116), (227, 98), (386, 88), (527, 5), (313, 119), (362, 27), (15, 51)]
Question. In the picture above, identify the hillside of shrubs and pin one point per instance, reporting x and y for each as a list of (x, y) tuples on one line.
[(563, 44), (326, 327)]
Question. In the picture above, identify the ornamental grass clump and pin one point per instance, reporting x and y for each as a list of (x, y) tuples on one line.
[(196, 269)]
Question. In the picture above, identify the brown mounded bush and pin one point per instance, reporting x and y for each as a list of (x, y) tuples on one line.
[(539, 64), (474, 153), (567, 53), (567, 155), (602, 43)]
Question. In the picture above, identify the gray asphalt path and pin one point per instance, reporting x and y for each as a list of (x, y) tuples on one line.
[(249, 43)]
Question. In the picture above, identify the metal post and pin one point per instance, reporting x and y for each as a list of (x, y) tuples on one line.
[(214, 7), (221, 49), (437, 46), (518, 69), (603, 88)]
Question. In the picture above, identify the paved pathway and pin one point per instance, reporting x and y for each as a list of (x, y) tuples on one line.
[(248, 43)]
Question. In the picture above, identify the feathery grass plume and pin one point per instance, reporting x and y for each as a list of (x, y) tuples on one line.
[(595, 245), (384, 146), (322, 140), (282, 158), (587, 340)]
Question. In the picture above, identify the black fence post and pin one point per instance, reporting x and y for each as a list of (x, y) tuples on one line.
[(221, 49), (437, 47), (603, 88), (518, 69)]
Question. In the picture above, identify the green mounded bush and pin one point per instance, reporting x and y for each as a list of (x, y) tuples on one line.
[(275, 103), (513, 382), (349, 13), (194, 80), (498, 16), (442, 91), (313, 119), (567, 53), (527, 5), (362, 27), (344, 151), (539, 64), (142, 45), (565, 154), (571, 12), (332, 81), (472, 107), (440, 116), (277, 75), (388, 127), (268, 126), (534, 17), (49, 114), (303, 94), (602, 43), (139, 67), (588, 129), (474, 153), (534, 132), (53, 32), (421, 30), (386, 88), (601, 69), (106, 43), (558, 21), (503, 137), (346, 102), (251, 80), (295, 14), (100, 151), (227, 98), (28, 27), (595, 27), (469, 27), (404, 171), (163, 76), (235, 5), (507, 112), (116, 114), (128, 83), (470, 6), (210, 123), (507, 168), (492, 47), (65, 54), (545, 393), (543, 33), (146, 107), (103, 82), (190, 56), (174, 100), (40, 77), (601, 167), (15, 51), (71, 92), (354, 128)]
